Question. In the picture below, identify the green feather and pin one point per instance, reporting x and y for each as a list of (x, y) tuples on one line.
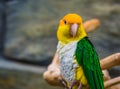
[(87, 57)]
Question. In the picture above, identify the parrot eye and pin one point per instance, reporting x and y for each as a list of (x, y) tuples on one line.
[(65, 22)]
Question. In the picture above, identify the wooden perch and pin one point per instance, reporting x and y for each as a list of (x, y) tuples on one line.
[(112, 82), (114, 60), (91, 25), (52, 75)]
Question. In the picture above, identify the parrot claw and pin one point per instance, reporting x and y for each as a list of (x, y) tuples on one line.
[(80, 86), (64, 83), (73, 83)]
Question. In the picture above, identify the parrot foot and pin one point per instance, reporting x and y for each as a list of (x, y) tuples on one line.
[(64, 83), (73, 83), (80, 86)]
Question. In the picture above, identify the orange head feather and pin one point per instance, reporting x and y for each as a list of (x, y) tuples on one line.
[(71, 18), (70, 28)]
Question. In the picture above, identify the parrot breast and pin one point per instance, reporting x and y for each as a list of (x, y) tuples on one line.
[(67, 60)]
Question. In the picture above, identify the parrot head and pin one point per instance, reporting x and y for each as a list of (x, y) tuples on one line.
[(70, 28)]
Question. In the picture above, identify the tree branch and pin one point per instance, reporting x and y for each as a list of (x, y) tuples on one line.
[(110, 61), (112, 82)]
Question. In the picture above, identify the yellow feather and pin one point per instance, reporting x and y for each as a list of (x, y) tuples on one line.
[(80, 75), (63, 34)]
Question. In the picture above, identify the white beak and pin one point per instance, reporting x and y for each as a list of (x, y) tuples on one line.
[(73, 29)]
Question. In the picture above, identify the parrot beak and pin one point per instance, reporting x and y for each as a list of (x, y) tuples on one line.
[(73, 29)]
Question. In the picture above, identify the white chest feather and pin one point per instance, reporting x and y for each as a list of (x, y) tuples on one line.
[(67, 60)]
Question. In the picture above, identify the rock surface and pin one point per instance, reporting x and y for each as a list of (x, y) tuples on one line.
[(32, 26), (2, 24), (15, 75), (1, 8), (31, 34)]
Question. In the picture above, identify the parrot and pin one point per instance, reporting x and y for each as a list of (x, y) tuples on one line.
[(79, 62)]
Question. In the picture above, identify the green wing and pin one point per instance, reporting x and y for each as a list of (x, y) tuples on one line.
[(87, 57)]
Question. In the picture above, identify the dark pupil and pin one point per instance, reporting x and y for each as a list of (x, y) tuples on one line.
[(65, 21)]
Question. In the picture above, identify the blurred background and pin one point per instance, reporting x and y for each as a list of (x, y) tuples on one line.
[(28, 36)]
